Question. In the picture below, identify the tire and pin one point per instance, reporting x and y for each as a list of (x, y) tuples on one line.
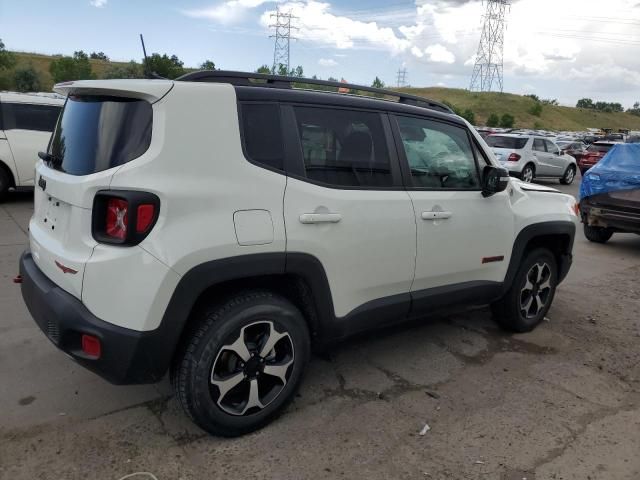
[(531, 294), (597, 234), (569, 176), (528, 173), (5, 183), (227, 350)]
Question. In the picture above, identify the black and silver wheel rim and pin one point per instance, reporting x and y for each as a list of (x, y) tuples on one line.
[(571, 173), (527, 175), (249, 373), (536, 292)]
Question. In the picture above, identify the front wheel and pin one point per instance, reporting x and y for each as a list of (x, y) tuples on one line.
[(597, 234), (530, 296), (243, 363), (527, 175), (569, 176)]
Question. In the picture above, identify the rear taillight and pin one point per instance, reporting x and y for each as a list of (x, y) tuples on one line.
[(124, 217), (514, 157)]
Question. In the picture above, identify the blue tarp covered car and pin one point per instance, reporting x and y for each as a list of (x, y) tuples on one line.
[(610, 194)]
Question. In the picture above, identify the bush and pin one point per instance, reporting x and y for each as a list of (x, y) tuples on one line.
[(71, 68), (493, 120), (26, 79), (130, 70), (536, 110), (507, 121), (469, 116)]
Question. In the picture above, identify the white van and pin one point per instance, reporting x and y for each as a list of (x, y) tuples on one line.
[(26, 123)]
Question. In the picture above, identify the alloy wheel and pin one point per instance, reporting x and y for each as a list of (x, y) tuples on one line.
[(527, 175), (250, 372), (571, 173), (537, 290)]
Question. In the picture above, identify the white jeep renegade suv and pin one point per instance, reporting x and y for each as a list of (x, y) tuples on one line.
[(219, 225), (26, 123)]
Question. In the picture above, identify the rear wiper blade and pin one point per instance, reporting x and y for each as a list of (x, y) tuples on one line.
[(50, 158)]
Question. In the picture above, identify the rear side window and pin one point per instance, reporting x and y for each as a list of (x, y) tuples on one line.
[(262, 134), (512, 143), (344, 147), (26, 116), (440, 155), (96, 133)]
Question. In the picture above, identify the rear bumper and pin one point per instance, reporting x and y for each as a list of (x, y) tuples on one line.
[(128, 356), (602, 211)]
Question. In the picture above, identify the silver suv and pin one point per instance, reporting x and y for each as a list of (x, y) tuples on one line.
[(528, 157)]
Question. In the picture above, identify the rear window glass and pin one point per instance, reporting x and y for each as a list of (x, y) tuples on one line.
[(599, 148), (26, 116), (512, 143), (96, 133)]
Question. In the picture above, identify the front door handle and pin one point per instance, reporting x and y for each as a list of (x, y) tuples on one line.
[(436, 215), (309, 218)]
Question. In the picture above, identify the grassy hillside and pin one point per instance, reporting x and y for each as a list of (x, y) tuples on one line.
[(482, 104), (552, 117)]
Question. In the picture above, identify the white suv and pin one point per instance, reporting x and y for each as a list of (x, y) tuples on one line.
[(528, 157), (26, 123), (219, 225)]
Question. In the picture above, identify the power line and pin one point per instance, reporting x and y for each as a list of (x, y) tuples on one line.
[(402, 77), (283, 27), (488, 69)]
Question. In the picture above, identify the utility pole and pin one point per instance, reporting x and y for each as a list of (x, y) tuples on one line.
[(283, 37), (488, 69), (402, 77)]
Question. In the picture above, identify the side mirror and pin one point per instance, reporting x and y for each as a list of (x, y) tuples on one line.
[(494, 180)]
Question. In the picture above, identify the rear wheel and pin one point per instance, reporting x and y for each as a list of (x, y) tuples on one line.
[(597, 234), (528, 173), (569, 176), (5, 183), (243, 363), (528, 300)]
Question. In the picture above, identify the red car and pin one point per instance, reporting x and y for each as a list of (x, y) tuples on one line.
[(575, 149), (593, 155)]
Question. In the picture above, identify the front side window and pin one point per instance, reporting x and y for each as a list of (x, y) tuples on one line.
[(551, 148), (440, 155), (27, 116), (538, 145), (343, 147), (262, 134)]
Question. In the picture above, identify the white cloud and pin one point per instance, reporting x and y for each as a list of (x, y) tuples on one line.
[(327, 62), (98, 3), (439, 54), (226, 12), (417, 52)]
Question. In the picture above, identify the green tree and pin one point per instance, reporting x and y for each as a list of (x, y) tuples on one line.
[(635, 110), (7, 59), (493, 120), (77, 67), (377, 83), (99, 56), (507, 121), (26, 79), (550, 102), (164, 65), (469, 116), (533, 97), (208, 65), (536, 109), (130, 70), (266, 69), (585, 103)]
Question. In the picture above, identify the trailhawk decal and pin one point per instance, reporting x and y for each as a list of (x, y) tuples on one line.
[(65, 269)]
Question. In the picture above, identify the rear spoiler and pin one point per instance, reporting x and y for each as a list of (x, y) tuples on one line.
[(150, 90)]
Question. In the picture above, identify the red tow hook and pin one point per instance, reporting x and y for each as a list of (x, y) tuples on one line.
[(17, 279)]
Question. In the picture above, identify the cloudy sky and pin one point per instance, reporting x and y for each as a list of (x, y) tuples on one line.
[(565, 49)]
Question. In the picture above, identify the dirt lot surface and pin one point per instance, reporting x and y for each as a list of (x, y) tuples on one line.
[(560, 403)]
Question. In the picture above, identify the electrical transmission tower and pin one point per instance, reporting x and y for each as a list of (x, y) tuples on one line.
[(487, 71), (283, 37), (402, 77)]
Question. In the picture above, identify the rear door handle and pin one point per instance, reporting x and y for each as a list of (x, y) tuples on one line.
[(309, 218), (436, 215)]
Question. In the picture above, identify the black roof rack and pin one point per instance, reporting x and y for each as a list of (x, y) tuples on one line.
[(278, 81)]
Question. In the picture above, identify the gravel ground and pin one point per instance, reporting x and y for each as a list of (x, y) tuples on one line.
[(560, 403)]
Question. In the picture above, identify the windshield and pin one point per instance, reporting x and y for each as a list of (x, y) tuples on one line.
[(95, 133), (599, 148), (512, 143)]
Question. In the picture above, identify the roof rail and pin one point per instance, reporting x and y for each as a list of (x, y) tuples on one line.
[(278, 81)]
